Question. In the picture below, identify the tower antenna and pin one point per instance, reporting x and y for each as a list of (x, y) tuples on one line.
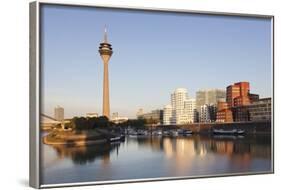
[(105, 35)]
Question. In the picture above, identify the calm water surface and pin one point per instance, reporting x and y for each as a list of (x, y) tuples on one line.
[(148, 157)]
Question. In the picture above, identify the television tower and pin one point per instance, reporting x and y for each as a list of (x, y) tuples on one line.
[(105, 51)]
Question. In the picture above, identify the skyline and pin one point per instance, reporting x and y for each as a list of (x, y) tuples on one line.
[(72, 69)]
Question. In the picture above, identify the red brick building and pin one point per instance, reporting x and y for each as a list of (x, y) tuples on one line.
[(221, 106), (237, 95), (224, 116), (232, 92), (223, 113)]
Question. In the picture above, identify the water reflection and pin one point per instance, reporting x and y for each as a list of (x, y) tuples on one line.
[(257, 146), (86, 154), (182, 147), (180, 156)]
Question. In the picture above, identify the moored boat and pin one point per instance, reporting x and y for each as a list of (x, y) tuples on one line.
[(159, 132), (174, 133), (165, 133), (117, 138), (184, 132), (230, 131)]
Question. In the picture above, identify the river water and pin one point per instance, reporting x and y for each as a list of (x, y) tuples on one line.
[(154, 157)]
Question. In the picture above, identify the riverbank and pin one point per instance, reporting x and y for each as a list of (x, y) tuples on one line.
[(78, 138), (104, 135)]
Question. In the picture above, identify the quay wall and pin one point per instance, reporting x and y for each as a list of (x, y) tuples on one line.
[(249, 127)]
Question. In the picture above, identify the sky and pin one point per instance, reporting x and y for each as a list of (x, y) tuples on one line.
[(153, 54)]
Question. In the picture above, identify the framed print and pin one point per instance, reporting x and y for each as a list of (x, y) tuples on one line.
[(127, 94)]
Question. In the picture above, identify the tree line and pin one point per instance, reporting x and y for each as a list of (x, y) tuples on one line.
[(88, 123)]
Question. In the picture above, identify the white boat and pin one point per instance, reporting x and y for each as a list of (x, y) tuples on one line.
[(154, 133), (142, 132), (174, 133), (165, 133), (240, 131), (132, 133), (159, 132), (118, 138), (187, 132), (231, 131), (184, 132)]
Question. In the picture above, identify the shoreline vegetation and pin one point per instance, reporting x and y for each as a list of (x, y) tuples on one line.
[(77, 138), (83, 131)]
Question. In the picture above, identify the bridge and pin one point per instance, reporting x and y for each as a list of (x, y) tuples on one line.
[(47, 122)]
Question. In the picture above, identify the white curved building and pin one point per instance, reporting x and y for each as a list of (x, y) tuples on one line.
[(178, 99), (182, 109), (167, 115), (189, 111)]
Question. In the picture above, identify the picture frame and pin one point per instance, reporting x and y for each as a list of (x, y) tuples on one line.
[(36, 85)]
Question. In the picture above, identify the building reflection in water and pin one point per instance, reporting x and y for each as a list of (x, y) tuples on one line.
[(144, 157), (182, 151), (238, 150)]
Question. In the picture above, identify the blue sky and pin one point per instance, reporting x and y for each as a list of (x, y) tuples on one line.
[(154, 53)]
